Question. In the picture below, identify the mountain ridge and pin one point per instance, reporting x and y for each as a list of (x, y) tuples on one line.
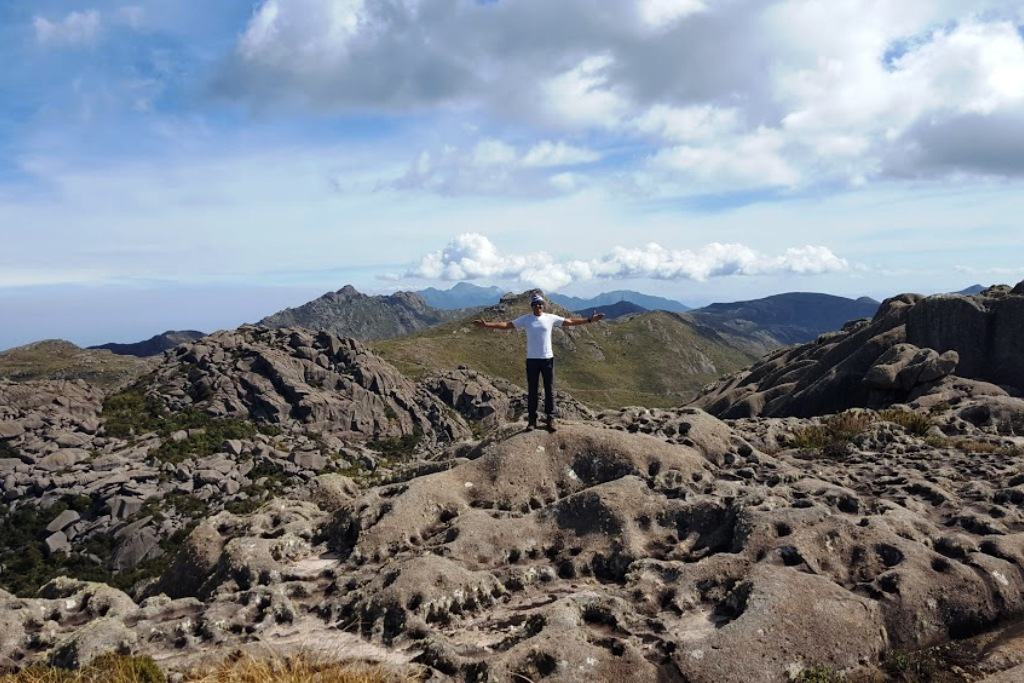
[(659, 357), (787, 318), (647, 301), (153, 346), (348, 312)]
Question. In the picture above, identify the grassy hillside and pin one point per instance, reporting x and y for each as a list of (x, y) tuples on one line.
[(653, 359), (59, 359)]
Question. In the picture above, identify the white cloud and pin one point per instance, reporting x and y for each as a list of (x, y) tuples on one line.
[(754, 160), (493, 166), (472, 256), (661, 13), (582, 96), (311, 32), (975, 68), (547, 153), (686, 124), (77, 28), (494, 153), (781, 93)]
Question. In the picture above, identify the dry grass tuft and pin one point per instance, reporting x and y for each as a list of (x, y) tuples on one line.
[(834, 435), (104, 669), (302, 668), (975, 446), (913, 423)]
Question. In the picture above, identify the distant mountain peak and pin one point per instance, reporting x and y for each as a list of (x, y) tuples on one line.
[(153, 346), (460, 295), (350, 313), (647, 301)]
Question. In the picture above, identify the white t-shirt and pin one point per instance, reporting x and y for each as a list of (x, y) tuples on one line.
[(538, 333)]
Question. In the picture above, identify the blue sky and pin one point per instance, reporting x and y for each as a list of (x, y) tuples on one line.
[(197, 165)]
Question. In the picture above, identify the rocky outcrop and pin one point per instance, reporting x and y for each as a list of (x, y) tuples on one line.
[(906, 351), (349, 313), (986, 331), (114, 507), (316, 380), (491, 401)]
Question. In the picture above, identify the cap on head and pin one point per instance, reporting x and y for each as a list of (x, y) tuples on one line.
[(537, 299)]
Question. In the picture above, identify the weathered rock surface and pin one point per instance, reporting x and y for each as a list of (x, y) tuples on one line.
[(492, 401), (644, 545), (905, 352), (634, 544), (316, 379)]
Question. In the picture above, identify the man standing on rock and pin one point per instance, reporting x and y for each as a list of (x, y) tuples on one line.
[(540, 358)]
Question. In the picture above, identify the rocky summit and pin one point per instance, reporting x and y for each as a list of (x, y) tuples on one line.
[(915, 349), (282, 490), (292, 375), (350, 313)]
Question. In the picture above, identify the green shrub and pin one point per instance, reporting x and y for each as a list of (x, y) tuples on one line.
[(399, 447), (131, 413), (25, 564), (818, 674), (8, 451), (914, 667), (205, 442)]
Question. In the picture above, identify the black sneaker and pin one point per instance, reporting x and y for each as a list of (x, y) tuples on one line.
[(530, 426), (551, 424)]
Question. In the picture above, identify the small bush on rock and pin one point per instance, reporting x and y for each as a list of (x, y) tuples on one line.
[(399, 447), (914, 423), (24, 563), (817, 674), (833, 436), (913, 667), (975, 446), (132, 413)]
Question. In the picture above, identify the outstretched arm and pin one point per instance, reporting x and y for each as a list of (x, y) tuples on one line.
[(501, 325), (572, 322)]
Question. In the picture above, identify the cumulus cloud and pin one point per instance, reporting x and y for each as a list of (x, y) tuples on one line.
[(77, 28), (473, 256), (782, 93)]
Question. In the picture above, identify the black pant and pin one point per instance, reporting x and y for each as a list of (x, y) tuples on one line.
[(534, 368)]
